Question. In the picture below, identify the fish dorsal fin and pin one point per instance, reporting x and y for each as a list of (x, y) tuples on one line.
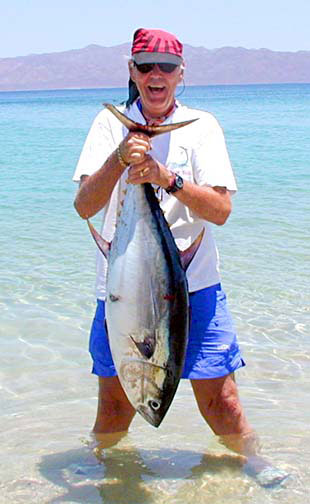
[(151, 131), (103, 245), (188, 255)]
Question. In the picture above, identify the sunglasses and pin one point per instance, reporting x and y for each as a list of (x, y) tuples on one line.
[(163, 67)]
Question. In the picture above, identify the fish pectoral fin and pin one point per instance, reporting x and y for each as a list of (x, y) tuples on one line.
[(188, 255), (147, 346), (103, 245)]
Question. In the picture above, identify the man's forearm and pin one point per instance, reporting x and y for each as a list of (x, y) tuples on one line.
[(210, 203), (95, 190)]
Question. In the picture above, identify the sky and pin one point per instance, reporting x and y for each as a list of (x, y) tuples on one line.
[(45, 26)]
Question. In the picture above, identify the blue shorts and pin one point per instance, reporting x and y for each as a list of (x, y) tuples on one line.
[(212, 351)]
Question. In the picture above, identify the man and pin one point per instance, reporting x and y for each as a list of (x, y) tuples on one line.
[(192, 172)]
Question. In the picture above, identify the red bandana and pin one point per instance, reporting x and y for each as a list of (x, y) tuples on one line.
[(157, 41)]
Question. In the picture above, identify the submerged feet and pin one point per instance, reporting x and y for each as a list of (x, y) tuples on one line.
[(266, 475), (271, 477)]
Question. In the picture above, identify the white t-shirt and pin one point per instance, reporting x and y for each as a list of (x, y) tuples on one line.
[(196, 152)]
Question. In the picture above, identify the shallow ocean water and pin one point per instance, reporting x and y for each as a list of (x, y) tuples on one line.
[(48, 396)]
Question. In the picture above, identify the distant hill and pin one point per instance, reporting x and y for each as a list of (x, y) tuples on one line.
[(95, 66)]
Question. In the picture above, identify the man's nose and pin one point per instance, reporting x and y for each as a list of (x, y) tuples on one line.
[(156, 69)]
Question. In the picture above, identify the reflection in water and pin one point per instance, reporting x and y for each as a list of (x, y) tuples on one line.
[(149, 475), (124, 477), (127, 475)]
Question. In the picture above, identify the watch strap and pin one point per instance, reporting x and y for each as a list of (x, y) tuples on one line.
[(176, 183)]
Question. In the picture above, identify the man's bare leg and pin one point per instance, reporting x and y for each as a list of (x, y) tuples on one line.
[(114, 413), (220, 406)]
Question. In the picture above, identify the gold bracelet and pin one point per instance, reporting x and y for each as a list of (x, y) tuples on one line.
[(120, 158)]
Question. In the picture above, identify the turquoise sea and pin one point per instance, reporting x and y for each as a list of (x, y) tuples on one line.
[(47, 394)]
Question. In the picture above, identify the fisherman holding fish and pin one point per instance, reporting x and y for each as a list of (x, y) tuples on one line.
[(190, 171)]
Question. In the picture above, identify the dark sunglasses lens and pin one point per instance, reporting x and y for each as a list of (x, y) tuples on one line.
[(164, 67), (167, 67), (145, 67)]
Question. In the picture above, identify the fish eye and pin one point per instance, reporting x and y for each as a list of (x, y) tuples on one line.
[(154, 404)]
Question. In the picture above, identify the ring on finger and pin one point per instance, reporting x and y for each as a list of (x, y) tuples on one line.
[(144, 171)]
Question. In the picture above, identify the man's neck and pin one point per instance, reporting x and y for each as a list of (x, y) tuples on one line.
[(151, 120)]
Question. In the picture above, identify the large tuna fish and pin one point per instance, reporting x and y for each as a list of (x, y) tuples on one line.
[(147, 307)]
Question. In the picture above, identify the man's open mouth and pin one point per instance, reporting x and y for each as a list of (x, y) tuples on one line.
[(156, 89)]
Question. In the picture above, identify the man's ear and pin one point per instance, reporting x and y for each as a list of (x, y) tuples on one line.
[(182, 72), (131, 68)]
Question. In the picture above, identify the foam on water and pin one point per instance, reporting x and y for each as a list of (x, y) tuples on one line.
[(48, 397)]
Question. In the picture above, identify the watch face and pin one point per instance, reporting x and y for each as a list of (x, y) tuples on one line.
[(179, 182)]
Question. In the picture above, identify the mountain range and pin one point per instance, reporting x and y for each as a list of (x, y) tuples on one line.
[(96, 66)]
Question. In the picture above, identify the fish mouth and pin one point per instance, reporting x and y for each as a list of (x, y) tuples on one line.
[(154, 419)]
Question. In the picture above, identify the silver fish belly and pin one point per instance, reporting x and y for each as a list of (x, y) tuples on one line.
[(147, 305)]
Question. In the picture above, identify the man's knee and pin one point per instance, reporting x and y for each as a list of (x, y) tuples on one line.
[(218, 397), (226, 403)]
